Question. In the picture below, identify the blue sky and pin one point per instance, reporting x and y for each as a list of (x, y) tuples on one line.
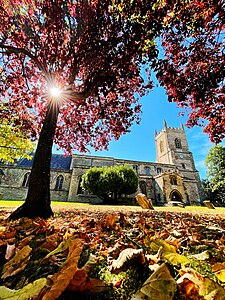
[(139, 144)]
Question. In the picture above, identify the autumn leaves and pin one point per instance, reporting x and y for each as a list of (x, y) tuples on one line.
[(113, 255)]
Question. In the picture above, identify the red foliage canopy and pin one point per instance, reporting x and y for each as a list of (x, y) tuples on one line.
[(193, 67), (97, 51)]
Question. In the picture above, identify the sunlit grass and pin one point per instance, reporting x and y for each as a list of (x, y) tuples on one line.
[(58, 205)]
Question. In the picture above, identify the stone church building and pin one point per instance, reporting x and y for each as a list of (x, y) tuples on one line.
[(173, 177)]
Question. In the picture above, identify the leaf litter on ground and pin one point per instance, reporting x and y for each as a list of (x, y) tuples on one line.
[(94, 254)]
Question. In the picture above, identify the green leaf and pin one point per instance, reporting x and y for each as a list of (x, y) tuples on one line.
[(27, 292), (175, 258)]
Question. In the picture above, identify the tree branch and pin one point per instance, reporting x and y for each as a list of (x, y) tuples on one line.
[(11, 49), (73, 96)]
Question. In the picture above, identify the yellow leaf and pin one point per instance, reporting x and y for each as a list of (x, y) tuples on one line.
[(159, 286), (27, 292), (17, 263), (62, 279), (156, 243), (221, 275), (175, 258), (211, 290)]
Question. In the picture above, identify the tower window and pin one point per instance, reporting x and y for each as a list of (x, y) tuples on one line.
[(147, 171), (59, 183), (183, 166), (177, 143), (159, 170), (173, 180), (161, 146), (26, 180)]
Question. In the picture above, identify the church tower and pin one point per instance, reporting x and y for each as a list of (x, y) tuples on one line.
[(172, 148)]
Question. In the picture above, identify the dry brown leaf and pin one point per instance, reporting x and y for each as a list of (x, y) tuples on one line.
[(117, 248), (17, 263), (62, 279), (51, 242), (79, 281), (84, 284), (10, 251), (110, 221), (25, 241), (218, 266), (126, 257)]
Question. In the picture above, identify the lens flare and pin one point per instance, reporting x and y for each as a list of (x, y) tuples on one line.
[(55, 92)]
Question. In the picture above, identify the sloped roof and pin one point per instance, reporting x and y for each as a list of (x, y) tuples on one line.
[(58, 161)]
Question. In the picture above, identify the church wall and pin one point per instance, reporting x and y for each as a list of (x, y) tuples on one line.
[(152, 175), (12, 180)]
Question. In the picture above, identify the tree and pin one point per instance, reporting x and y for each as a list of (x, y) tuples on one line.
[(14, 144), (216, 196), (215, 162), (192, 68), (73, 71), (110, 183)]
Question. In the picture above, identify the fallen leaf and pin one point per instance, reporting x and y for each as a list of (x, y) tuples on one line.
[(202, 256), (25, 241), (10, 251), (218, 266), (211, 290), (156, 243), (126, 257), (61, 280), (220, 275), (27, 292), (175, 258), (61, 248), (51, 242), (110, 221), (159, 286), (17, 263)]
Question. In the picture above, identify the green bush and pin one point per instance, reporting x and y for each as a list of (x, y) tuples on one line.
[(110, 183)]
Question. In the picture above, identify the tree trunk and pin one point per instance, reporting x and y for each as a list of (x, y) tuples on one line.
[(37, 203)]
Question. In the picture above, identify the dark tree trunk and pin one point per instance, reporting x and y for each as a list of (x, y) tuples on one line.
[(37, 203)]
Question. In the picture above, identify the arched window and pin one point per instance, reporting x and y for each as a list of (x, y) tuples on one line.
[(26, 180), (159, 170), (161, 146), (80, 189), (173, 180), (142, 185), (59, 183), (177, 143), (147, 171)]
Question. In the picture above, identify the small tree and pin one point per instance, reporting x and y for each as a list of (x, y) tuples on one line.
[(215, 162), (110, 183)]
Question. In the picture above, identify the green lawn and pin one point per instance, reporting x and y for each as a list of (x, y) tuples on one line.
[(10, 204)]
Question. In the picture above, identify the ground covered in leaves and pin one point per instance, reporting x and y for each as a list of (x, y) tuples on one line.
[(93, 254)]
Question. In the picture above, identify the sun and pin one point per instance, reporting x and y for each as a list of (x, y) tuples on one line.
[(55, 92)]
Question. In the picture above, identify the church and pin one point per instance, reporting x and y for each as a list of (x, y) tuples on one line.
[(173, 177)]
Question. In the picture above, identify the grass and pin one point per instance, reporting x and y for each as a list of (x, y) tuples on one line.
[(57, 206)]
